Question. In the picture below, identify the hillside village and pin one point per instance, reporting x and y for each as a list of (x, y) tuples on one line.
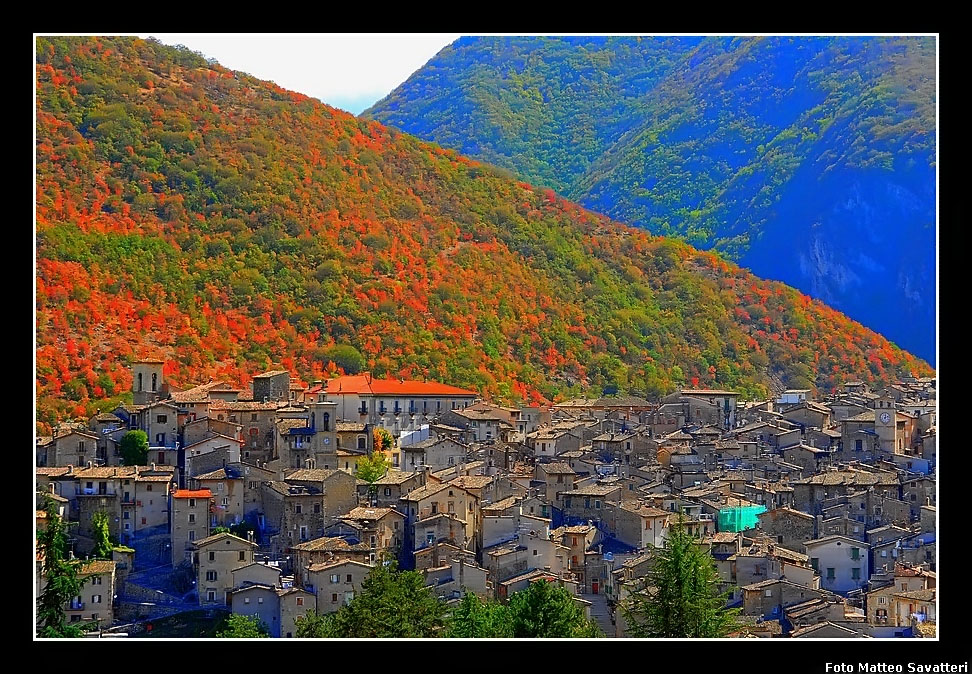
[(820, 513)]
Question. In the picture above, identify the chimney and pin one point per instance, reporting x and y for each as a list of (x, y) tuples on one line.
[(51, 485), (70, 469), (89, 464), (70, 554), (153, 465)]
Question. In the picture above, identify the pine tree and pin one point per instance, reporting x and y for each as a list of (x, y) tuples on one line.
[(61, 576), (682, 597)]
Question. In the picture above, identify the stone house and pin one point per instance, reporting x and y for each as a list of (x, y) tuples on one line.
[(791, 528), (842, 562), (97, 597), (325, 550), (227, 486), (190, 522), (335, 583), (216, 557)]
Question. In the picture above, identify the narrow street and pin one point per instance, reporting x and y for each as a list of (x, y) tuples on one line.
[(600, 612)]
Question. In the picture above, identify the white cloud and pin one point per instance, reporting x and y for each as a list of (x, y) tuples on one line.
[(350, 71)]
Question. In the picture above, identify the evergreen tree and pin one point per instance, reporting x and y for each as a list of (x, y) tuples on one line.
[(682, 597), (134, 448), (62, 581)]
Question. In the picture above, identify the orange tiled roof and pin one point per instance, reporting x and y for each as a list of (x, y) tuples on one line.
[(365, 384), (192, 493)]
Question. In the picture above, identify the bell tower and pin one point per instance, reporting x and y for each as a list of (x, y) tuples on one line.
[(147, 381), (885, 423)]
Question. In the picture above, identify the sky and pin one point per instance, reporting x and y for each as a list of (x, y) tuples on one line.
[(347, 71)]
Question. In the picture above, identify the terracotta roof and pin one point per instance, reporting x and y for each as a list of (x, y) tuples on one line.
[(644, 510), (219, 537), (920, 595), (97, 566), (429, 489), (198, 393), (105, 471), (707, 391), (325, 543), (395, 477), (472, 481), (349, 427), (312, 474), (192, 493), (557, 468), (271, 373), (365, 513), (219, 474), (366, 384), (52, 471), (242, 406), (324, 566)]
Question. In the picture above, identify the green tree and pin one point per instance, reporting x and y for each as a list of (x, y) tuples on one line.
[(548, 610), (244, 627), (346, 357), (372, 468), (103, 543), (681, 597), (392, 603), (61, 577), (315, 625), (134, 448), (474, 618)]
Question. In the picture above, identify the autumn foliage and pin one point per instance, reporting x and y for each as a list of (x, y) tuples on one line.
[(191, 212)]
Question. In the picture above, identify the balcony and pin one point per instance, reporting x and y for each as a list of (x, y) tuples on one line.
[(77, 605), (78, 491)]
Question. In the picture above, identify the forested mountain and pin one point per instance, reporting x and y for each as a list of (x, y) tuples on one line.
[(198, 213), (807, 160)]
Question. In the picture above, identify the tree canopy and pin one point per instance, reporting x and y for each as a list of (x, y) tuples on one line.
[(391, 603), (134, 448), (103, 543), (244, 627)]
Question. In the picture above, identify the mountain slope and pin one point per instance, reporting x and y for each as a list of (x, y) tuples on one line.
[(808, 160), (187, 210)]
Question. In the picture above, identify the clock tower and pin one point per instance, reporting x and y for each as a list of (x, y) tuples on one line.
[(885, 423)]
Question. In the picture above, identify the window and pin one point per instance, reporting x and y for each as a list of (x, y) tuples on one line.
[(192, 503), (768, 593), (246, 600), (225, 500), (192, 534), (884, 553), (259, 600), (349, 578), (300, 601), (830, 573), (814, 563), (597, 504), (317, 508), (334, 598), (858, 446), (560, 479), (298, 509), (212, 556), (242, 555), (856, 573), (303, 533), (534, 553), (155, 378), (253, 417), (96, 580), (148, 487), (192, 518), (210, 575), (335, 578), (882, 600), (211, 595), (161, 418), (855, 553), (126, 515)]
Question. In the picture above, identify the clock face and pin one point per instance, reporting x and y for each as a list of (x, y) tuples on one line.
[(885, 417)]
